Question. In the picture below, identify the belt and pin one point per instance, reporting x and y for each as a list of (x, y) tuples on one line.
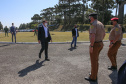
[(97, 41), (116, 41)]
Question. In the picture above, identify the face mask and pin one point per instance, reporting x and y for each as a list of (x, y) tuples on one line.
[(46, 24)]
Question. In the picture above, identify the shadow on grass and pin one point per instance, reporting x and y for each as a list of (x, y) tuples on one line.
[(113, 76), (33, 67)]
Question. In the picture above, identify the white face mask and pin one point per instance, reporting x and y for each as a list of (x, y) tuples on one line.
[(46, 24)]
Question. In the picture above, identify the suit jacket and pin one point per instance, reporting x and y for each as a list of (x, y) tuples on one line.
[(41, 34), (13, 29), (74, 32), (122, 74)]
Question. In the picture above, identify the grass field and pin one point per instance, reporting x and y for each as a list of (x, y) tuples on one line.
[(56, 37)]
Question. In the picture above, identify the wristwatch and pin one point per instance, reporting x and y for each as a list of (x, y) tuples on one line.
[(112, 43)]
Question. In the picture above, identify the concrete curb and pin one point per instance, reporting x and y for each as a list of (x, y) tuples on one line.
[(79, 42), (50, 42)]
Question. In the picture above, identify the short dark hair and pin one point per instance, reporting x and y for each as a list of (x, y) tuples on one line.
[(43, 21), (12, 23)]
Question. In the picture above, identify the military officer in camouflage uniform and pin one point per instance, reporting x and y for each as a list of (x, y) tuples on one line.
[(97, 34), (115, 38)]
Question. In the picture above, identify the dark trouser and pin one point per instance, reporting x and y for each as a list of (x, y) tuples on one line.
[(6, 33), (35, 33), (122, 74), (14, 37), (44, 47), (94, 59), (112, 52), (74, 41)]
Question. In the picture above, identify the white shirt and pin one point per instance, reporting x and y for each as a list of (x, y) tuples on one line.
[(76, 31), (46, 31)]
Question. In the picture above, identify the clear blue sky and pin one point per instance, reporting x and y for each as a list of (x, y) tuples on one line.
[(21, 11)]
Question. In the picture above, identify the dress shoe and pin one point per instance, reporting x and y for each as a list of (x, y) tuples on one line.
[(74, 47), (112, 68), (47, 59), (89, 79), (71, 46), (39, 55)]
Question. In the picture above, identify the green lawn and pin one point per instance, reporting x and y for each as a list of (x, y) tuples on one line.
[(56, 37)]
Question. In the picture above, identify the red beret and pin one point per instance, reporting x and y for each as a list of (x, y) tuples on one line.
[(114, 19)]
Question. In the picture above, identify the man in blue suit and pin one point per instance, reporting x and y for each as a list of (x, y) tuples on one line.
[(13, 32), (43, 38), (122, 74)]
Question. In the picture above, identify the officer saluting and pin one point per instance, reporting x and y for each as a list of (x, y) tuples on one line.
[(115, 38), (97, 34)]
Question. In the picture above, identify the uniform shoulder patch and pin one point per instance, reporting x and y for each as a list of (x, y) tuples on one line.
[(117, 29), (91, 26)]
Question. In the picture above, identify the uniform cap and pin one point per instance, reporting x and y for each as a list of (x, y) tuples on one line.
[(114, 19), (92, 14)]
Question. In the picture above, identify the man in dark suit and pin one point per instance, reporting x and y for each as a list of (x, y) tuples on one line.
[(43, 38), (122, 74), (75, 34), (13, 32)]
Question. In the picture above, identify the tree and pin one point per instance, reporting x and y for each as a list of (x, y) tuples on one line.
[(102, 7), (125, 19), (121, 10), (32, 25), (1, 26), (85, 7), (48, 14), (22, 26), (27, 26), (36, 18)]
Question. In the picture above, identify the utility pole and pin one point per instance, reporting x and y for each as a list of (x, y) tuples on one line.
[(121, 10)]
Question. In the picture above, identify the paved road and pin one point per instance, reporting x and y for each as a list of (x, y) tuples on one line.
[(19, 64)]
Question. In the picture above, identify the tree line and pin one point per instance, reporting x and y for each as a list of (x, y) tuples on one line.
[(70, 12)]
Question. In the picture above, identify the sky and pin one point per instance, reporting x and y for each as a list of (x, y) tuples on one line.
[(21, 11)]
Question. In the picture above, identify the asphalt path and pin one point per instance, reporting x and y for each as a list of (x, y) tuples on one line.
[(19, 64)]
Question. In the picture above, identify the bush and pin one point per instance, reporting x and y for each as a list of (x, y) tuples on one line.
[(84, 27), (108, 28)]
